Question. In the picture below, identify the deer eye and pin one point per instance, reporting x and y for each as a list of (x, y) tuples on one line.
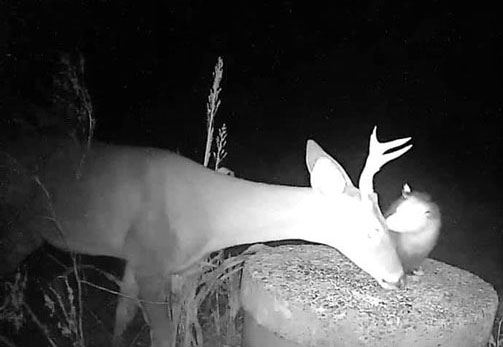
[(374, 232)]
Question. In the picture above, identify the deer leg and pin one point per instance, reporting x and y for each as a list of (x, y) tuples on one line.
[(127, 305), (153, 292)]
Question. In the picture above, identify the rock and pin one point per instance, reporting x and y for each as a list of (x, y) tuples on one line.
[(313, 296)]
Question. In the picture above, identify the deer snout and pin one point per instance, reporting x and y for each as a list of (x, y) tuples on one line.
[(400, 284)]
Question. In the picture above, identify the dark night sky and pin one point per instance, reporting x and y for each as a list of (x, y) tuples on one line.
[(429, 69)]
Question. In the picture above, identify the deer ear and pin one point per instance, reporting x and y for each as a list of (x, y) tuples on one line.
[(327, 175), (313, 153)]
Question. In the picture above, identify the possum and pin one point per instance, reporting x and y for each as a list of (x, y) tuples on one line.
[(414, 223)]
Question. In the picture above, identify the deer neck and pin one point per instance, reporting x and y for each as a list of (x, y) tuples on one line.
[(248, 212)]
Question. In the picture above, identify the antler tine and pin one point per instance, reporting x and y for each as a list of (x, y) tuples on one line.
[(377, 159)]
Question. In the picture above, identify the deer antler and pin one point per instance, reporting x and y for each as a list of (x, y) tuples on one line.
[(376, 159)]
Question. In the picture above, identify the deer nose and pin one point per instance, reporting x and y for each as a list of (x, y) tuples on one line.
[(400, 284)]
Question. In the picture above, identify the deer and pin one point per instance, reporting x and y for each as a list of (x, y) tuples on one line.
[(162, 213)]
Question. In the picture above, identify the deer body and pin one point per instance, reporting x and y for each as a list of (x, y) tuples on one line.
[(162, 213), (166, 199)]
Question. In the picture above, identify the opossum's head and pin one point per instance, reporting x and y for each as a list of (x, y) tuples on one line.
[(413, 212)]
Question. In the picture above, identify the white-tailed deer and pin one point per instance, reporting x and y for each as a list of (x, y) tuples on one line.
[(414, 221), (162, 213)]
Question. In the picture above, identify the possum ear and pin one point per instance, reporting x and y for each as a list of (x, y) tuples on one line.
[(406, 191)]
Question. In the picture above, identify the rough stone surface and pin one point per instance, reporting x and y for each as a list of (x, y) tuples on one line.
[(314, 296)]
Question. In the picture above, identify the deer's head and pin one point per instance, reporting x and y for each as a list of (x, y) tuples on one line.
[(359, 229)]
